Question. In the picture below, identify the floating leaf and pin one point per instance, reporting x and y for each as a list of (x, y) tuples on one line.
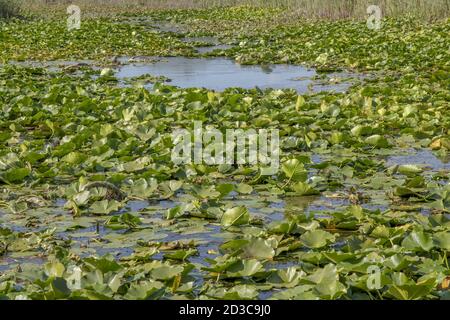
[(235, 216), (244, 188), (259, 249), (105, 206), (377, 141), (244, 268), (418, 241), (316, 238), (294, 170)]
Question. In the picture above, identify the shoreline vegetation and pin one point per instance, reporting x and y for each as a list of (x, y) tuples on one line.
[(9, 9), (429, 10), (92, 205)]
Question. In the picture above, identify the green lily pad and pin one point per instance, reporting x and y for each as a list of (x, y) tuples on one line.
[(235, 217)]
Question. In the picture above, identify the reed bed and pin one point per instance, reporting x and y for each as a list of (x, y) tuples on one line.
[(9, 9), (322, 9)]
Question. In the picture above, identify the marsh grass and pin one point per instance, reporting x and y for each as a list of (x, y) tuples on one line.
[(322, 9), (355, 9)]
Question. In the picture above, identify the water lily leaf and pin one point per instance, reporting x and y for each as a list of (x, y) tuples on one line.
[(322, 58), (144, 133), (289, 275), (316, 238), (361, 130), (180, 254), (409, 110), (409, 169), (300, 102), (244, 188), (235, 244), (259, 249), (239, 292), (244, 268), (174, 212), (294, 170), (105, 206), (337, 137), (74, 158), (144, 188), (59, 288), (105, 264), (15, 175), (377, 141), (55, 269), (208, 192), (123, 221), (81, 198), (225, 189), (115, 283), (302, 292), (418, 241), (304, 189), (64, 149), (442, 240), (133, 166), (175, 185), (381, 231), (145, 290), (400, 279), (75, 142), (411, 291), (166, 272), (357, 211), (107, 72), (235, 216), (326, 280), (404, 192), (337, 257), (396, 262)]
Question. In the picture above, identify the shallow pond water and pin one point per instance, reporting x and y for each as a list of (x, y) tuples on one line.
[(70, 66), (91, 232), (211, 73), (421, 157), (221, 73)]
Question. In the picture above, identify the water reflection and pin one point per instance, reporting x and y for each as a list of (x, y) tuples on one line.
[(221, 73)]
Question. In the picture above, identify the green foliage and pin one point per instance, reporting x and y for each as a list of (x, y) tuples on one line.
[(93, 207)]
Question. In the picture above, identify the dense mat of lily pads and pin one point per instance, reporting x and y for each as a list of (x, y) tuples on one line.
[(92, 207)]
